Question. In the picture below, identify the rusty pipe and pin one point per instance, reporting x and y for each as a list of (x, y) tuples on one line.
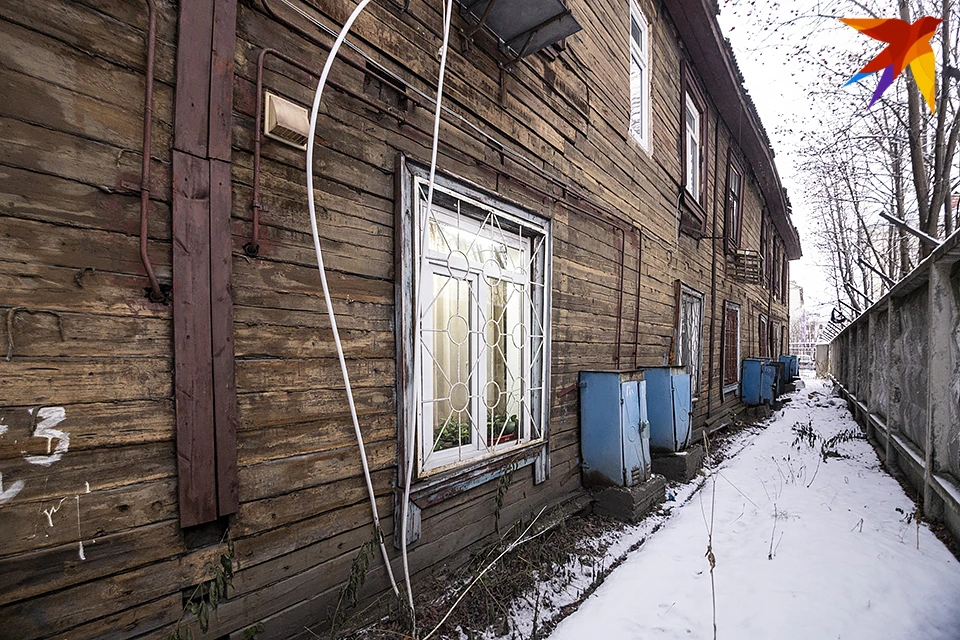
[(636, 318), (252, 248), (156, 294), (623, 260)]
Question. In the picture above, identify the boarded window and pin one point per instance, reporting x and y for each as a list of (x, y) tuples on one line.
[(639, 76), (689, 333), (731, 344)]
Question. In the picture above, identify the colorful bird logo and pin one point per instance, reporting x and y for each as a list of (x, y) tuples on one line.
[(907, 44)]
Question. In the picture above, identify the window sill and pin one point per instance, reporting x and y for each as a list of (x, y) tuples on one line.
[(438, 487), (731, 388)]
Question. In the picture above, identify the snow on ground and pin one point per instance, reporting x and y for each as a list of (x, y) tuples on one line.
[(844, 560)]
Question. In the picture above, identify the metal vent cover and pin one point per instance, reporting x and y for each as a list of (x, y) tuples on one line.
[(286, 121)]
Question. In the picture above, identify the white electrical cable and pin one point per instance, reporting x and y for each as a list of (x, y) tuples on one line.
[(323, 281), (410, 439)]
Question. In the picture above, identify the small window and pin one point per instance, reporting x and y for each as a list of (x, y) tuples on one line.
[(693, 132), (639, 76), (688, 352), (763, 336), (734, 206), (731, 346), (483, 324), (765, 250)]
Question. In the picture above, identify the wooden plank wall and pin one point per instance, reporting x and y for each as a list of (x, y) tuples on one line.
[(84, 337), (89, 341)]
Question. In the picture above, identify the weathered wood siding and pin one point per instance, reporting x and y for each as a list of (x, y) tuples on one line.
[(85, 338)]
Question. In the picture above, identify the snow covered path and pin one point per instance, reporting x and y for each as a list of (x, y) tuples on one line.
[(844, 560)]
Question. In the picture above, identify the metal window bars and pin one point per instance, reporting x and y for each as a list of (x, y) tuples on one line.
[(483, 329)]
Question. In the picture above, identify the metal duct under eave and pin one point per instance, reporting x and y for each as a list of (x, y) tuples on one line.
[(522, 26)]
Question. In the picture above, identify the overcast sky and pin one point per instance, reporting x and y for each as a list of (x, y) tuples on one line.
[(779, 85)]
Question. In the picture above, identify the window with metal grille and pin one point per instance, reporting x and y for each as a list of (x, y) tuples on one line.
[(763, 336), (482, 300), (731, 345), (689, 333), (639, 76)]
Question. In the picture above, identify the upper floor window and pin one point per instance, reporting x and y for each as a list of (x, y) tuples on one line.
[(639, 76), (693, 132), (482, 301), (775, 271), (765, 250), (784, 279), (734, 205)]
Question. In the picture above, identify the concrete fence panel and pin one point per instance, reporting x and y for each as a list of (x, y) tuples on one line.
[(898, 366)]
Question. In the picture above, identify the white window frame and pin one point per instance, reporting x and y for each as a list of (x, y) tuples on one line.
[(728, 306), (679, 356), (640, 112), (692, 133), (530, 230)]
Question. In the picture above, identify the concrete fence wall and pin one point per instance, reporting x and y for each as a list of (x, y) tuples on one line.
[(898, 366)]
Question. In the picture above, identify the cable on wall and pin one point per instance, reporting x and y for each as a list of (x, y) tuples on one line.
[(323, 281), (413, 426)]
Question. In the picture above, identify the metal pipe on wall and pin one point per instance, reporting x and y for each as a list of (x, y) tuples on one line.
[(156, 294)]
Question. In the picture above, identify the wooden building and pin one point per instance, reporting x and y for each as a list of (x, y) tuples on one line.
[(171, 402)]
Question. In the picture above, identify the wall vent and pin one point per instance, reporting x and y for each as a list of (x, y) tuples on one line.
[(286, 121)]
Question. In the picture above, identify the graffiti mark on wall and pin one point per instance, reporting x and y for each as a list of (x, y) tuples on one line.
[(44, 421)]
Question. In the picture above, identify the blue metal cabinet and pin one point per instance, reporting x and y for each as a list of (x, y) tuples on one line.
[(791, 365), (768, 383), (751, 369), (668, 408), (614, 432)]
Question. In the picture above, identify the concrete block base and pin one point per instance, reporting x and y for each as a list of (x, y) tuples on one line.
[(679, 467), (630, 504)]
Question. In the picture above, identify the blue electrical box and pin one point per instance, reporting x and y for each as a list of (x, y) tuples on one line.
[(792, 367), (751, 370), (614, 430), (669, 405), (768, 383)]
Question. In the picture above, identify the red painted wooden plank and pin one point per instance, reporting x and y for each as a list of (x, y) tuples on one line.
[(193, 77), (221, 78), (192, 340), (224, 377)]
